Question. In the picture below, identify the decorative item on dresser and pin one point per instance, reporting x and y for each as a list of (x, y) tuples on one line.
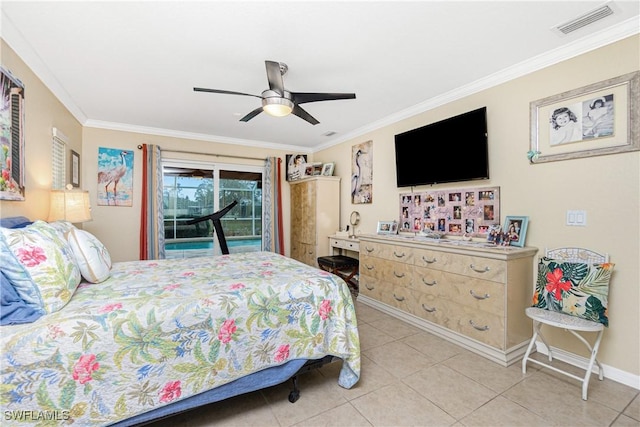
[(463, 291), (315, 215)]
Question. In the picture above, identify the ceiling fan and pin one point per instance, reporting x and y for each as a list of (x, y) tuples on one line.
[(279, 102)]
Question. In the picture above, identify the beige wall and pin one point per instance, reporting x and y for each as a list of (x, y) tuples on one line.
[(119, 227), (43, 112), (607, 187)]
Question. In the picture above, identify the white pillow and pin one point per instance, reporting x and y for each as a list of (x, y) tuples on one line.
[(92, 256)]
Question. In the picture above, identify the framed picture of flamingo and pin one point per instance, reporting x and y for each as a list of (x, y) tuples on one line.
[(115, 177)]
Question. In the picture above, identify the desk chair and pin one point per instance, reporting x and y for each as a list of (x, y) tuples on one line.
[(571, 293)]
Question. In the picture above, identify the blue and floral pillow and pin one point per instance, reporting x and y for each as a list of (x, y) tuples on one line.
[(577, 289), (40, 265)]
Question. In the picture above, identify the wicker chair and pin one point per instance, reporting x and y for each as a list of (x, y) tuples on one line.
[(572, 324)]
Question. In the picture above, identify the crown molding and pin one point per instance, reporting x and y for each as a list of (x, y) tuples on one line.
[(98, 124), (578, 47)]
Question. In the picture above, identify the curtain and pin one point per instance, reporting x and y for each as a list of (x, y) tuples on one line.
[(273, 235), (151, 215)]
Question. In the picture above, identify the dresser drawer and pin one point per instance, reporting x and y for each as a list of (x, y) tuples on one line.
[(479, 325), (350, 245), (396, 273), (480, 267), (386, 251), (475, 293), (371, 287)]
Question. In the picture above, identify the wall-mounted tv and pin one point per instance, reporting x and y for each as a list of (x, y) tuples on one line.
[(451, 150)]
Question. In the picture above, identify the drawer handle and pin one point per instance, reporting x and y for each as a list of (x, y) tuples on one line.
[(477, 270), (429, 261), (480, 328), (398, 299), (370, 288), (473, 294), (369, 267), (398, 255), (398, 275), (435, 282), (428, 309), (368, 249)]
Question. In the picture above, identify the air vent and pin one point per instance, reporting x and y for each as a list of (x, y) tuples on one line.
[(584, 20)]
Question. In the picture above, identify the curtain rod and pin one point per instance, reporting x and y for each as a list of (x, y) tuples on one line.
[(209, 154)]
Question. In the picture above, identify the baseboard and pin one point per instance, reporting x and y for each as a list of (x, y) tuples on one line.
[(614, 374)]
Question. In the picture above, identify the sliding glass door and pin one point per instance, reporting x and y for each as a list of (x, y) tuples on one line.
[(193, 190)]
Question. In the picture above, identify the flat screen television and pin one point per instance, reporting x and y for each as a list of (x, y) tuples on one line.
[(451, 150)]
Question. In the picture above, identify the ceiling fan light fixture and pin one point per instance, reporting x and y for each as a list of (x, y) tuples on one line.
[(277, 106)]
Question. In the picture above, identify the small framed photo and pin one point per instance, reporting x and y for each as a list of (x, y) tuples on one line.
[(307, 170), (75, 169), (327, 169), (494, 234), (515, 230), (317, 169), (387, 227)]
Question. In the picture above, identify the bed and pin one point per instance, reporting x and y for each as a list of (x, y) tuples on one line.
[(154, 338)]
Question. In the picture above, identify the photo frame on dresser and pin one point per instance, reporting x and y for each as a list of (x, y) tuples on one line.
[(387, 227), (515, 230)]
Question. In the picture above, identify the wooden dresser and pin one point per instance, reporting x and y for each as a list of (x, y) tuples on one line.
[(466, 292)]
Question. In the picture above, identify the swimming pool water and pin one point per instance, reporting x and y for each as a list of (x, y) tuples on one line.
[(183, 246)]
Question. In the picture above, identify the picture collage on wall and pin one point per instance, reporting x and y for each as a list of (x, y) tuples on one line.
[(465, 211)]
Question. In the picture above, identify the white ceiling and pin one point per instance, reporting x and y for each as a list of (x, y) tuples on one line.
[(133, 65)]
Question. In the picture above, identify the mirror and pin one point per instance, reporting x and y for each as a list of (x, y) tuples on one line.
[(354, 220)]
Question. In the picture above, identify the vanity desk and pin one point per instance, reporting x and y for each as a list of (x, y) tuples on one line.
[(471, 293), (342, 244), (343, 263)]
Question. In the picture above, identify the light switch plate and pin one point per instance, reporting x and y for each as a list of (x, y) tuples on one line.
[(577, 218)]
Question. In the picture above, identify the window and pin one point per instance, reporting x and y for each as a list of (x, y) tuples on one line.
[(59, 160), (193, 190)]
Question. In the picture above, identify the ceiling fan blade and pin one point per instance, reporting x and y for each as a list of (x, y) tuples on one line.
[(302, 97), (251, 115), (225, 92), (298, 111), (275, 77)]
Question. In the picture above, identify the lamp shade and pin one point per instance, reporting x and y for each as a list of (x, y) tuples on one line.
[(69, 205)]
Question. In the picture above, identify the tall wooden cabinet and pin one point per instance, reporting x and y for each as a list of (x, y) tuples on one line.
[(315, 215)]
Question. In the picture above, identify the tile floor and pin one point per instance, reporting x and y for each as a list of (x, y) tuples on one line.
[(412, 378)]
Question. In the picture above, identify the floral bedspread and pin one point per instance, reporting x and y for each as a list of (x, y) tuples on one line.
[(159, 331)]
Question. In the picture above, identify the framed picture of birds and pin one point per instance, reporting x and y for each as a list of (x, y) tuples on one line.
[(115, 177)]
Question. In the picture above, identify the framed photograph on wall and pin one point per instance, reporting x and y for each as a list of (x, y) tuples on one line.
[(75, 169), (515, 230), (598, 119), (295, 166)]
